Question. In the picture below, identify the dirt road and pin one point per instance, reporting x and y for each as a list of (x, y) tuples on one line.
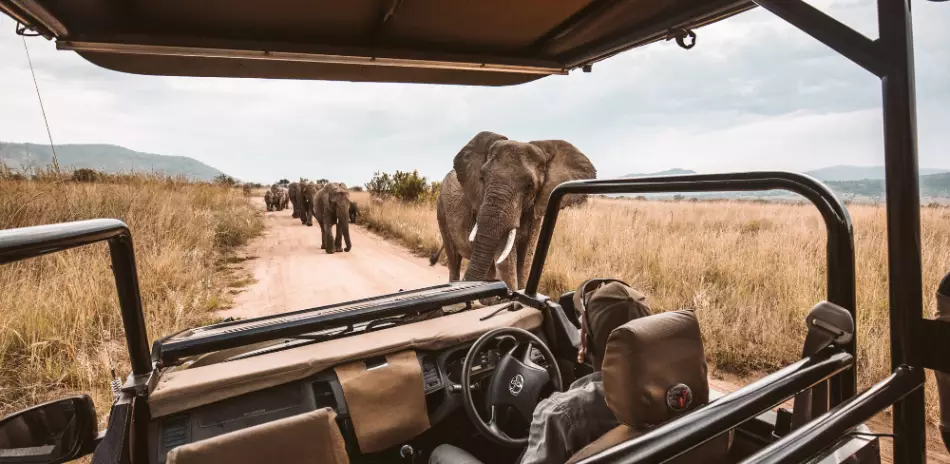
[(292, 272)]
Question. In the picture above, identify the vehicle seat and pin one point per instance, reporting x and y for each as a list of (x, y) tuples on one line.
[(654, 371)]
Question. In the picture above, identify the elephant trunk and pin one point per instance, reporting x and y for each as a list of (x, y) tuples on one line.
[(493, 231)]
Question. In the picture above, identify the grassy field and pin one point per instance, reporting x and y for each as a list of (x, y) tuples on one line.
[(752, 270), (60, 329)]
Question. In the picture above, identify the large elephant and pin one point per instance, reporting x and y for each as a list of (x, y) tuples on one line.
[(332, 207), (307, 197), (491, 204), (293, 192)]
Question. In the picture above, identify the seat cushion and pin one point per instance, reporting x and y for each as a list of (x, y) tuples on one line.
[(448, 454)]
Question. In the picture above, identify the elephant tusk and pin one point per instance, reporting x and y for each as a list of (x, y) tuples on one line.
[(471, 237), (508, 246)]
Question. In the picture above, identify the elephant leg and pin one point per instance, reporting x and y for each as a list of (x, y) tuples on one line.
[(454, 261), (323, 236), (338, 242)]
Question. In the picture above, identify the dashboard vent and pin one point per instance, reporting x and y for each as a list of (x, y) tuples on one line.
[(175, 432), (430, 374), (323, 395)]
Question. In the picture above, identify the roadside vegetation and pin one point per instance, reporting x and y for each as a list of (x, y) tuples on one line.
[(60, 327), (751, 269)]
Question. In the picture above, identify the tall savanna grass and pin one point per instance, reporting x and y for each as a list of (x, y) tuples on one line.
[(60, 328), (752, 270)]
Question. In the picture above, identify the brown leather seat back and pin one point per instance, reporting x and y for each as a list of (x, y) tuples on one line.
[(313, 438), (654, 371)]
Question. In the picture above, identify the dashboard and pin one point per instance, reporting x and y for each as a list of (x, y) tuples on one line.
[(441, 372)]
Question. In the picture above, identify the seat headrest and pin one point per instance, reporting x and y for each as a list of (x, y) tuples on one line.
[(655, 369)]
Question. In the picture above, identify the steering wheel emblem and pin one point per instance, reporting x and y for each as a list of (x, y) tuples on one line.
[(516, 384)]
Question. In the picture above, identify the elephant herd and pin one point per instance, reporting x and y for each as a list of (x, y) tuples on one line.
[(489, 210), (492, 203), (329, 203)]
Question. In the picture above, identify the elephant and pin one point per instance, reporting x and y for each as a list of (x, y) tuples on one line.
[(307, 197), (331, 207), (491, 205), (276, 198), (293, 191), (269, 200), (354, 212), (284, 198)]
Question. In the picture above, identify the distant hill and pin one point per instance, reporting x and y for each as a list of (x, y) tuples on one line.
[(858, 183), (931, 186), (106, 158), (668, 172), (855, 173)]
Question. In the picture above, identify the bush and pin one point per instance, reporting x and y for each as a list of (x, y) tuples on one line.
[(409, 186), (224, 179), (356, 188), (87, 175), (404, 186), (380, 185)]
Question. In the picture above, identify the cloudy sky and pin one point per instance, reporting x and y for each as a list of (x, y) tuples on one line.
[(754, 94)]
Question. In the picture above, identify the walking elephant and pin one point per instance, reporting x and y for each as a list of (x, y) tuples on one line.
[(276, 196), (306, 198), (491, 204), (284, 198), (293, 192), (269, 200), (354, 212), (332, 208)]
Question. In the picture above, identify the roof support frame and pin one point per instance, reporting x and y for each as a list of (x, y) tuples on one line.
[(891, 58), (829, 31)]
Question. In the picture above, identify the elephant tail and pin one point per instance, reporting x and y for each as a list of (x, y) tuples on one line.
[(435, 256)]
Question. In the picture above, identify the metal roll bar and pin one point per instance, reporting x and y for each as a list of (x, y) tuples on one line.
[(827, 429), (29, 242), (840, 245)]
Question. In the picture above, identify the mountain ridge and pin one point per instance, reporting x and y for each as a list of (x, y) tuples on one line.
[(103, 157)]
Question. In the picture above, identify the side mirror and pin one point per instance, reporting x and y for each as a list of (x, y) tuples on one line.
[(54, 432)]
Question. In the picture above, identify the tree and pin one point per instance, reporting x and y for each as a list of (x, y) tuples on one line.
[(224, 179)]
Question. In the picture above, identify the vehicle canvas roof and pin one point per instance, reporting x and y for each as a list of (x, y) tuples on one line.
[(486, 42)]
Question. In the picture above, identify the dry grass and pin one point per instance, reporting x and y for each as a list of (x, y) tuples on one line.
[(60, 328), (752, 270)]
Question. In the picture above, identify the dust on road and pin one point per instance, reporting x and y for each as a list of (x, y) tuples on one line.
[(291, 272)]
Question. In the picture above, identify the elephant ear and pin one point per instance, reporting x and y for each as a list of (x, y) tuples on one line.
[(468, 163), (564, 163)]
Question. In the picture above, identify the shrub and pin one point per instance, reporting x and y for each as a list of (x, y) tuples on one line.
[(87, 175), (224, 179), (409, 186), (356, 188), (380, 185)]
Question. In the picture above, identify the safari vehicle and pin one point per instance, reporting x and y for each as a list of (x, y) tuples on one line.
[(386, 379)]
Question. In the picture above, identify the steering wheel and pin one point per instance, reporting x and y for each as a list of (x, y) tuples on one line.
[(517, 381)]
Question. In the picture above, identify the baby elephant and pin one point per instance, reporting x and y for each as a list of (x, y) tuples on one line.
[(269, 200), (332, 207)]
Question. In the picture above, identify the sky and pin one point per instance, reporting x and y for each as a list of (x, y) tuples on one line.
[(754, 94)]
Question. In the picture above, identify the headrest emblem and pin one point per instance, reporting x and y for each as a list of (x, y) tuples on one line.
[(679, 397)]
